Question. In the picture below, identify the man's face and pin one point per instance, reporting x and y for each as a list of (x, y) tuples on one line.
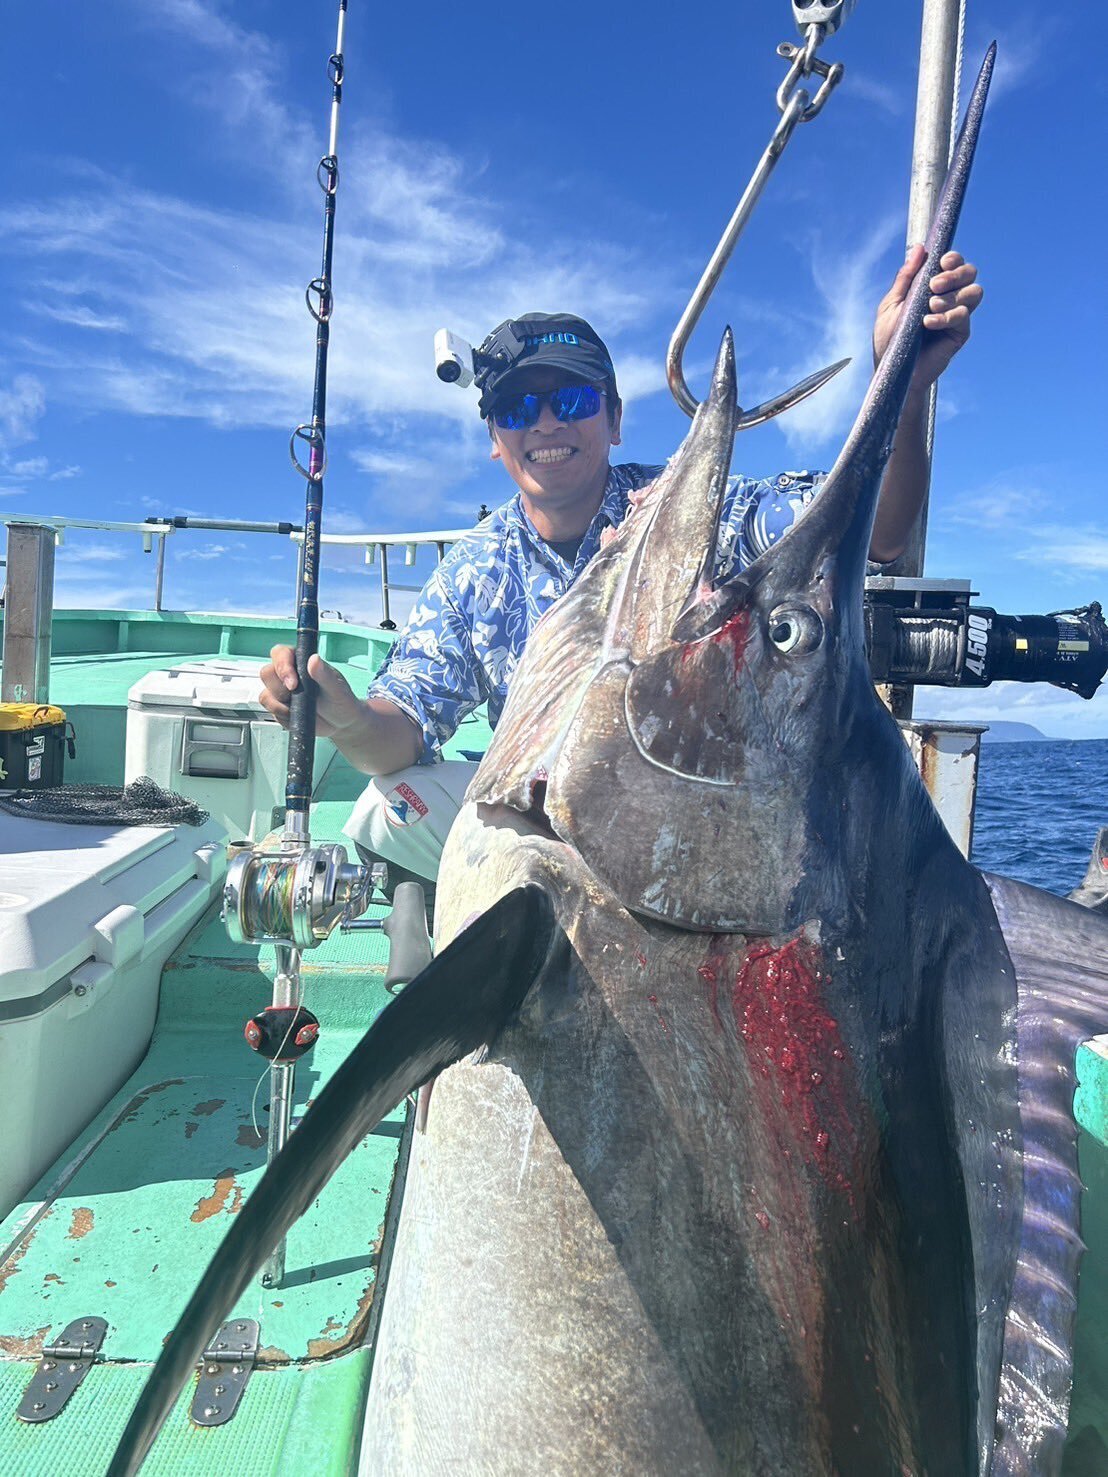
[(556, 461)]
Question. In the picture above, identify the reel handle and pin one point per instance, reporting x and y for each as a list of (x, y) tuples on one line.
[(406, 930)]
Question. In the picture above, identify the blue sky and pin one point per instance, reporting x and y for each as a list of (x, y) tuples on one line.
[(160, 221)]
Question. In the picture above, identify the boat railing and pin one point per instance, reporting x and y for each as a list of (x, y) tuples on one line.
[(154, 532), (379, 544)]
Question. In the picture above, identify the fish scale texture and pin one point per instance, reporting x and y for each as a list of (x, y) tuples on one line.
[(274, 1433)]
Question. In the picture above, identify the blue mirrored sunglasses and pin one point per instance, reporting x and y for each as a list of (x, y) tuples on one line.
[(569, 403)]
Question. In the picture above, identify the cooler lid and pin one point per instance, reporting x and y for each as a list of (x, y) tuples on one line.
[(69, 893), (217, 686), (28, 715)]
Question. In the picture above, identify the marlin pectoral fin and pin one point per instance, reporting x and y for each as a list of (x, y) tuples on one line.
[(459, 1002), (1059, 951), (1093, 891)]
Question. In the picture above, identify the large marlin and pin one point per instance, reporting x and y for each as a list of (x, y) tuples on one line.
[(773, 1170)]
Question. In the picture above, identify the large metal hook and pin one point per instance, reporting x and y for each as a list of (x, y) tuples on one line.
[(796, 106)]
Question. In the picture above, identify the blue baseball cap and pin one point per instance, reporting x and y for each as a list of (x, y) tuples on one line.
[(557, 340)]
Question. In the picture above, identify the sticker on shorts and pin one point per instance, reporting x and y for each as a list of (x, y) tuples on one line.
[(403, 807)]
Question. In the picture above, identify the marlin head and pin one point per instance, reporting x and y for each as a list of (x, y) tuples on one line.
[(693, 740)]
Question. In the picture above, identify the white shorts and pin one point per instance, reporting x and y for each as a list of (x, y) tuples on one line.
[(405, 817)]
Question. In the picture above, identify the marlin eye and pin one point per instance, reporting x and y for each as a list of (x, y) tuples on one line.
[(794, 630)]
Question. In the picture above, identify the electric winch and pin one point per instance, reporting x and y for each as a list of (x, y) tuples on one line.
[(925, 633)]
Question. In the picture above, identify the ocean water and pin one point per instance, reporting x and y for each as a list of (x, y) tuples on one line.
[(1039, 807)]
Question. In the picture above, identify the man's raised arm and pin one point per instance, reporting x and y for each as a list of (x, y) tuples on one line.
[(956, 295)]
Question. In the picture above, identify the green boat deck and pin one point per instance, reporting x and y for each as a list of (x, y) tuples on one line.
[(126, 1221), (124, 1224)]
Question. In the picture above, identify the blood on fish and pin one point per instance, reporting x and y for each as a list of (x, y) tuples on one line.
[(735, 632), (661, 1018), (794, 1044)]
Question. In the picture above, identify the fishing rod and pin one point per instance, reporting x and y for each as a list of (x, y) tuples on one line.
[(320, 300), (292, 894)]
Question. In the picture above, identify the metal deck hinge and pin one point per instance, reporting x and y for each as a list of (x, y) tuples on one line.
[(225, 1366), (61, 1369)]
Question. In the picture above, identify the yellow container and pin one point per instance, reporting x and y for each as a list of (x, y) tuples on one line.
[(28, 715), (32, 745)]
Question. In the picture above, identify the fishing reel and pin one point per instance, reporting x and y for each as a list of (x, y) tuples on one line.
[(925, 632), (282, 896)]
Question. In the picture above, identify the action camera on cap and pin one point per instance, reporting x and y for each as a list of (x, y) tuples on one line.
[(453, 358)]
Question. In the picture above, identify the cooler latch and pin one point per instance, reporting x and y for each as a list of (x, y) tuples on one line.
[(63, 1366), (215, 749), (225, 1367)]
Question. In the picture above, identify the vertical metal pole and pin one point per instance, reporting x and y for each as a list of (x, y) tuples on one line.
[(159, 572), (286, 991), (387, 622), (28, 613), (936, 105)]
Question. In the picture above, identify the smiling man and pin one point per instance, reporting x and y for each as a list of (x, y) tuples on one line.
[(549, 396)]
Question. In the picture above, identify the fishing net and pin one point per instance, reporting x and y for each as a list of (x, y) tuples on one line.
[(141, 803)]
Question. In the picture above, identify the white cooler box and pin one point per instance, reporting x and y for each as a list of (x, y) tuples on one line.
[(88, 917), (199, 730)]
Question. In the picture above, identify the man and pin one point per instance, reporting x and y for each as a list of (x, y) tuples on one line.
[(553, 413)]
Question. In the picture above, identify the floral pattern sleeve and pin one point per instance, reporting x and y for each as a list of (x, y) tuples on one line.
[(432, 673)]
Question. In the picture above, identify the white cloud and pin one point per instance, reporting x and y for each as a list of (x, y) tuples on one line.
[(1020, 56), (209, 27), (884, 95), (156, 507), (211, 300), (81, 552), (209, 551), (390, 463), (102, 597), (33, 468), (1082, 549), (22, 403), (340, 520), (850, 285), (1003, 503), (639, 376), (82, 316), (213, 310)]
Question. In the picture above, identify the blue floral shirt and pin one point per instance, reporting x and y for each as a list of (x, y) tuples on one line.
[(471, 621)]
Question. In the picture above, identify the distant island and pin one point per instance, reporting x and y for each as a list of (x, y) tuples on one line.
[(1013, 733)]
